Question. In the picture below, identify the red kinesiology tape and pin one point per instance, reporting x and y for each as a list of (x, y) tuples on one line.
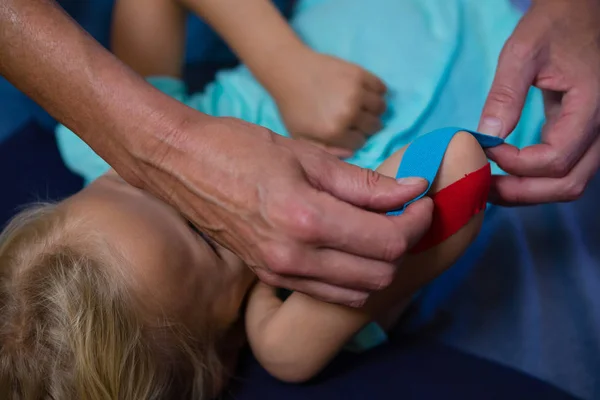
[(455, 205)]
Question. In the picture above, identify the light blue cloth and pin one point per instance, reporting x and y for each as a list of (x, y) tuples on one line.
[(527, 293), (369, 337), (437, 58)]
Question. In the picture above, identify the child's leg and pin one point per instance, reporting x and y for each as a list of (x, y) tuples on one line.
[(463, 156), (149, 36)]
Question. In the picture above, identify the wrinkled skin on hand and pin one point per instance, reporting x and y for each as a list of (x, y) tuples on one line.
[(298, 216), (295, 214)]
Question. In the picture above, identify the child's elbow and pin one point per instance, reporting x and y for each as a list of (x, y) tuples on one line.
[(287, 362)]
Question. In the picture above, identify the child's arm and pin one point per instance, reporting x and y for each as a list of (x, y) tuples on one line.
[(149, 36), (295, 339), (321, 98)]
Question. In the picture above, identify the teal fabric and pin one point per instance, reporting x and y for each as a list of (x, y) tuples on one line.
[(369, 337), (437, 58)]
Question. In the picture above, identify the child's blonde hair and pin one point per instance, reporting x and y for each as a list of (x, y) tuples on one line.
[(70, 328)]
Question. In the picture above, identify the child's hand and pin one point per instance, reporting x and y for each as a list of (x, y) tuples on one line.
[(330, 102)]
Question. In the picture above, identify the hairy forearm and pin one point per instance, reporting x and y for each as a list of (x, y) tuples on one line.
[(50, 58), (256, 31)]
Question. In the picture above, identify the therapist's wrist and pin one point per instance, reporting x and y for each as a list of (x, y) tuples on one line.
[(156, 133)]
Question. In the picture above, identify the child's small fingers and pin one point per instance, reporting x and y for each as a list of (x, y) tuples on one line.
[(373, 102), (353, 139), (368, 123), (374, 84)]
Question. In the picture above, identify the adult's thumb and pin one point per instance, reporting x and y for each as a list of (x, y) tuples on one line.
[(363, 187), (514, 75)]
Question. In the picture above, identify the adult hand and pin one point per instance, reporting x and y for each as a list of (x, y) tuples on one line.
[(555, 47), (329, 102), (299, 217)]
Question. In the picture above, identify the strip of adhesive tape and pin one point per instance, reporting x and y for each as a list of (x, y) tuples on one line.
[(456, 204)]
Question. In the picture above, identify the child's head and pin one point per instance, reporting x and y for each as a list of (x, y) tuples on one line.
[(110, 294)]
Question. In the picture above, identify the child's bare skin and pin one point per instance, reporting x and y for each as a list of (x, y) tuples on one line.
[(323, 99)]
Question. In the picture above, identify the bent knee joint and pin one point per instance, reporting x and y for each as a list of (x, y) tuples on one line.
[(453, 162)]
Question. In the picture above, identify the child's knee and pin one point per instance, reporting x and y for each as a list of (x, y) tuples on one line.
[(463, 156)]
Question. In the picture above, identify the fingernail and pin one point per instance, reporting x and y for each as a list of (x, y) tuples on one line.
[(491, 126), (411, 181)]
